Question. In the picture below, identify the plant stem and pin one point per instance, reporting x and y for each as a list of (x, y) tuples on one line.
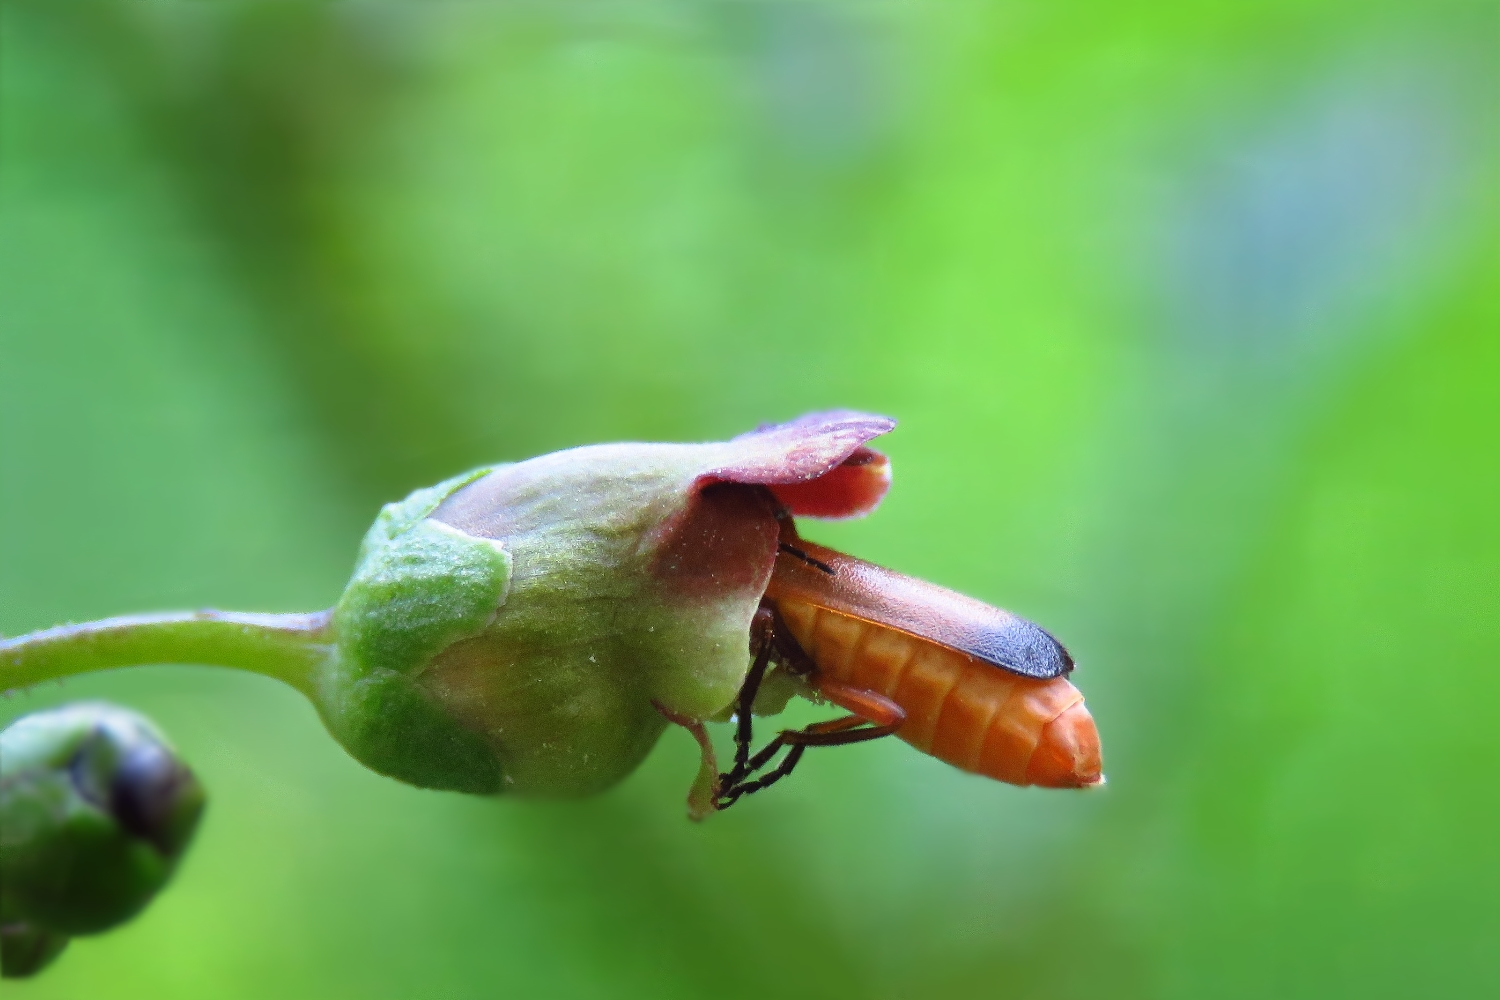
[(287, 647)]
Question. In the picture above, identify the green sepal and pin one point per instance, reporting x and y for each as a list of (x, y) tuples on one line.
[(395, 519), (419, 587), (394, 727)]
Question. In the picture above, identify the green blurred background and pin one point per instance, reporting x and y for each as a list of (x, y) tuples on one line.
[(1190, 313)]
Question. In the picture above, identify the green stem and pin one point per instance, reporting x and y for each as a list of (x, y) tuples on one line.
[(287, 647)]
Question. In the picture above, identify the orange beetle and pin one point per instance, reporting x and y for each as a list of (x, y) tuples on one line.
[(970, 684)]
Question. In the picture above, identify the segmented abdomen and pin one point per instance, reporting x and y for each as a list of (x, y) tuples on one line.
[(959, 709)]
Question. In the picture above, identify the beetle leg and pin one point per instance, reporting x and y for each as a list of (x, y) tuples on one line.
[(730, 796), (762, 628), (876, 716), (769, 635), (732, 786), (833, 732), (883, 715)]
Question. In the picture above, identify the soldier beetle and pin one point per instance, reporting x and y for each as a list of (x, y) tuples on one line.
[(973, 685)]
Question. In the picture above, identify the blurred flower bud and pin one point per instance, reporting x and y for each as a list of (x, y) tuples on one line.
[(25, 950), (95, 812), (519, 628)]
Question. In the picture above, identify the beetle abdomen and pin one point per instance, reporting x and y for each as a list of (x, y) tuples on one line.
[(959, 709)]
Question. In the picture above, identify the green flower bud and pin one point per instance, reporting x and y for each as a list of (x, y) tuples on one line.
[(25, 950), (525, 627), (96, 810)]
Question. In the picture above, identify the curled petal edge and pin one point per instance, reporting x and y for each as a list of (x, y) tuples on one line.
[(818, 465)]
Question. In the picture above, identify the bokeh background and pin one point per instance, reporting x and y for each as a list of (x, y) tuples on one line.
[(1190, 313)]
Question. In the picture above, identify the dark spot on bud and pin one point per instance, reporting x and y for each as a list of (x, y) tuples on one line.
[(156, 798)]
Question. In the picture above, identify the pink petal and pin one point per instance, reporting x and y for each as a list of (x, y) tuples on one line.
[(816, 465)]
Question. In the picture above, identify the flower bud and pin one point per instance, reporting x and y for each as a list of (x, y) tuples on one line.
[(524, 627), (95, 812)]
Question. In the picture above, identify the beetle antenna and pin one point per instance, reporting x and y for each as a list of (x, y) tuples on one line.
[(792, 550)]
